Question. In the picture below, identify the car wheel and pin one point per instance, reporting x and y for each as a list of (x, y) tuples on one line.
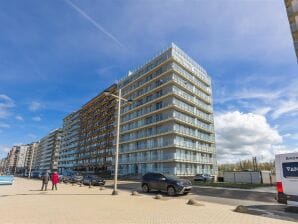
[(145, 188), (171, 191)]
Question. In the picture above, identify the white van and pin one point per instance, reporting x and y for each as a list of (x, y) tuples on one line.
[(286, 166)]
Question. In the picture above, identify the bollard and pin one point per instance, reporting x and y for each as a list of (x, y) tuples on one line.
[(89, 184), (135, 193), (241, 208), (158, 196), (193, 202)]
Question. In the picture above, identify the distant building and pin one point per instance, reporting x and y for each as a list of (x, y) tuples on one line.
[(292, 11), (48, 151), (12, 158), (21, 159), (29, 160), (2, 165), (70, 143)]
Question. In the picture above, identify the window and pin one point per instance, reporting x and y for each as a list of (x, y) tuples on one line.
[(158, 105)]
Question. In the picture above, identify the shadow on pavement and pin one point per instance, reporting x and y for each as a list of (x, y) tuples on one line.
[(271, 211)]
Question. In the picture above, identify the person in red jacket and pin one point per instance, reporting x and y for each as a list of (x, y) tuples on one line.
[(55, 180)]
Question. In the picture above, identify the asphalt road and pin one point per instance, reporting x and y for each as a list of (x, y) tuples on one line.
[(219, 195)]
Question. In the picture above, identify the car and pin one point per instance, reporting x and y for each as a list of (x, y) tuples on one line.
[(167, 183), (93, 180), (75, 178), (204, 178), (36, 174)]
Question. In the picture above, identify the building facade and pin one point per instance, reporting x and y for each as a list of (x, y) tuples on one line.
[(12, 158), (29, 160), (292, 11), (97, 134), (48, 151), (69, 143), (21, 159), (169, 126)]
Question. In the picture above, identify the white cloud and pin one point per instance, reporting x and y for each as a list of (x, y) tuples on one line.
[(37, 118), (244, 135), (4, 125), (5, 104), (262, 110), (34, 106), (292, 136), (19, 118), (285, 107)]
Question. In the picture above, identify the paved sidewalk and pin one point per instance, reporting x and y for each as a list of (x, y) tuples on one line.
[(24, 203)]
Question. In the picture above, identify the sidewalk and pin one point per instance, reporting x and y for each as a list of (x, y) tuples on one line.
[(24, 203)]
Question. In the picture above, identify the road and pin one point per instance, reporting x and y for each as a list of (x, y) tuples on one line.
[(217, 195)]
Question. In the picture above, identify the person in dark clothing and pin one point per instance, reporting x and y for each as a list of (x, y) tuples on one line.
[(45, 180)]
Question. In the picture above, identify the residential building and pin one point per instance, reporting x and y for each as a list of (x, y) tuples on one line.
[(3, 165), (48, 151), (70, 143), (32, 150), (169, 126), (12, 158), (96, 138), (21, 158), (292, 11)]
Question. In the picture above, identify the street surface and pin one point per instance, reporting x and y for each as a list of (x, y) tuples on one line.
[(23, 202)]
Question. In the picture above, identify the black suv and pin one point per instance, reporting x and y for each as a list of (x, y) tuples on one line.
[(168, 183)]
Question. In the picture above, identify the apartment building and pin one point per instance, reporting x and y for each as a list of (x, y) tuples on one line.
[(70, 143), (48, 151), (29, 159), (292, 11), (21, 159), (169, 126), (97, 131), (2, 165), (12, 158)]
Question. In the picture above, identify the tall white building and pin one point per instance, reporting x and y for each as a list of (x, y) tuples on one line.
[(169, 126)]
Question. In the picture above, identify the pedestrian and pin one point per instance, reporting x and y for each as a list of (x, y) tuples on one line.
[(45, 180), (55, 180)]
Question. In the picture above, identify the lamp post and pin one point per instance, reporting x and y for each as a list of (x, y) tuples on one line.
[(119, 98)]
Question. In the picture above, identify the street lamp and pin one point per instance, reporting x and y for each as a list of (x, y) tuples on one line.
[(119, 98)]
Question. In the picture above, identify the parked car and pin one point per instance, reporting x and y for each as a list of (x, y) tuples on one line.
[(74, 178), (36, 174), (203, 178), (167, 183), (93, 180)]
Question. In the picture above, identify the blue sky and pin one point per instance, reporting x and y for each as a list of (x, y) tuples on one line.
[(56, 55)]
